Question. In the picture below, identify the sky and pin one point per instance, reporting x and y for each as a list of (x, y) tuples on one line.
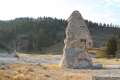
[(104, 11)]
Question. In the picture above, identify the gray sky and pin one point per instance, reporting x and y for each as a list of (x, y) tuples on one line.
[(105, 11)]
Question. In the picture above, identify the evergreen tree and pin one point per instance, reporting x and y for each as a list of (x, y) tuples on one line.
[(111, 47)]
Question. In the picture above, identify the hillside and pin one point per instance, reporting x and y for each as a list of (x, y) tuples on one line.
[(47, 34)]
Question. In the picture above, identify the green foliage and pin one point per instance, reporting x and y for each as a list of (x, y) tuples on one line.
[(111, 47), (118, 42), (40, 32), (45, 32)]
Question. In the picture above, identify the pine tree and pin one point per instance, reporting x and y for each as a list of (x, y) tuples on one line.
[(111, 47)]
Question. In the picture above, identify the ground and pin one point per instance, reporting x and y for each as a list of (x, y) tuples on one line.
[(39, 72), (47, 68)]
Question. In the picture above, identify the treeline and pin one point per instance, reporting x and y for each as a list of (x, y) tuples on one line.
[(29, 34), (101, 33)]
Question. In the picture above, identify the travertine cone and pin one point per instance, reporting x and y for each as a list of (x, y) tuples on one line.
[(77, 40)]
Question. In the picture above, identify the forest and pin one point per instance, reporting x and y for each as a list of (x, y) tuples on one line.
[(30, 34)]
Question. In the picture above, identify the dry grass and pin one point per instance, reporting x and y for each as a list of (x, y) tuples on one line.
[(47, 72), (39, 72), (106, 61)]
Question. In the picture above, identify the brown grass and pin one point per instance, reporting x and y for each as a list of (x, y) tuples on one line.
[(106, 61), (40, 72)]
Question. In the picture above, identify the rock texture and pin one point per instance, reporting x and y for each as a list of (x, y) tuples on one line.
[(77, 41)]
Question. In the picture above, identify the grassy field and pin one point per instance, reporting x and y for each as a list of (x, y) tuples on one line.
[(106, 61), (39, 72), (48, 71)]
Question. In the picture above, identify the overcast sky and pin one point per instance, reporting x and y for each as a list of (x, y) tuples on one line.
[(105, 11)]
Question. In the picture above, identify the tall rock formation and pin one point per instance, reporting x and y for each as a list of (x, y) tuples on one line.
[(77, 41)]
